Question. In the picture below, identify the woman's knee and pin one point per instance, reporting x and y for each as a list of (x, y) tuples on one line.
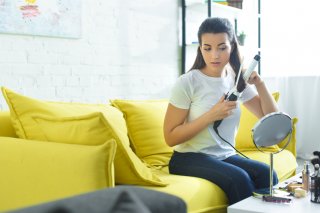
[(275, 178), (263, 176), (243, 179), (240, 187)]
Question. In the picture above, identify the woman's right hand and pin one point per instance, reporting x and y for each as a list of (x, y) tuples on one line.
[(221, 109), (177, 130)]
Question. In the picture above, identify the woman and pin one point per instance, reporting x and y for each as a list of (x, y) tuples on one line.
[(197, 101)]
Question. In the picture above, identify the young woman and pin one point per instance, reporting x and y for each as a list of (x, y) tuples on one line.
[(197, 101)]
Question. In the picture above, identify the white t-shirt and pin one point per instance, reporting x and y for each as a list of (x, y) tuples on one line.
[(199, 93)]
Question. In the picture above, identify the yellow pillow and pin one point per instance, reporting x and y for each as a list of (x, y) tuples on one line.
[(34, 172), (26, 113), (244, 140), (145, 127), (6, 126), (86, 129)]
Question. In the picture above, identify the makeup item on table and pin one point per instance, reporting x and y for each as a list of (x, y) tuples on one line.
[(299, 193), (292, 186), (274, 199), (315, 185), (306, 176)]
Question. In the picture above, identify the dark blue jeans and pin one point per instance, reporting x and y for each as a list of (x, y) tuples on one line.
[(238, 177)]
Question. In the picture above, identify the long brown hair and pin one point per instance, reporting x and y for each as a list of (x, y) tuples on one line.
[(220, 25)]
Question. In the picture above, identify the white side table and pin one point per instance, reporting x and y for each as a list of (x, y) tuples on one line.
[(257, 205)]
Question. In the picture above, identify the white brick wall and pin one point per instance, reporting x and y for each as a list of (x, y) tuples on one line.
[(128, 49)]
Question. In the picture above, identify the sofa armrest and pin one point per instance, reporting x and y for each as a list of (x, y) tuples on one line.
[(292, 145)]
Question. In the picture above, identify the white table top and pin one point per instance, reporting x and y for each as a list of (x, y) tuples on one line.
[(257, 205)]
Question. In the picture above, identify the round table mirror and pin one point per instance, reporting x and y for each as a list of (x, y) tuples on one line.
[(270, 130)]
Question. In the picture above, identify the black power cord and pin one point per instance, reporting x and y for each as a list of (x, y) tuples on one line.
[(217, 131)]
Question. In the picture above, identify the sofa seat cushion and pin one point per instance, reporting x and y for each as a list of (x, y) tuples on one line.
[(284, 163), (199, 194), (88, 124), (203, 196), (35, 171)]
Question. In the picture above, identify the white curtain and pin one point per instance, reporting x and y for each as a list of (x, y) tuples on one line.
[(290, 64), (299, 97)]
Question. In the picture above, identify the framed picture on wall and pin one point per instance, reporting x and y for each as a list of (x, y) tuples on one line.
[(57, 18)]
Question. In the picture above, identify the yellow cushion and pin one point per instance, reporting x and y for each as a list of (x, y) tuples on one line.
[(293, 141), (145, 127), (84, 129), (6, 126), (30, 115), (247, 121), (33, 172), (284, 162)]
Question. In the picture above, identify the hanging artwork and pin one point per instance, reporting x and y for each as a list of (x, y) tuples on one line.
[(59, 18)]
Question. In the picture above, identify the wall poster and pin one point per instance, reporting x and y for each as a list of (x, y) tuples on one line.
[(57, 18)]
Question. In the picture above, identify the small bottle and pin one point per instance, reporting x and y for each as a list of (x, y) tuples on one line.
[(306, 176), (315, 185)]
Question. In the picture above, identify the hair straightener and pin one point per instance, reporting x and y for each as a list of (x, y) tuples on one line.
[(233, 94)]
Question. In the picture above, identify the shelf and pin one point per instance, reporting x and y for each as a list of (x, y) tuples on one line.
[(201, 6), (224, 10), (196, 11), (194, 2)]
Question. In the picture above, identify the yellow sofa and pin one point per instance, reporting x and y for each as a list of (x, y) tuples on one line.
[(51, 150)]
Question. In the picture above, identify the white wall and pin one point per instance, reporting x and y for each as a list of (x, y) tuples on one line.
[(128, 49), (290, 34)]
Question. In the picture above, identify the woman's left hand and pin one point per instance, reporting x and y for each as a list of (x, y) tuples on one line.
[(255, 79)]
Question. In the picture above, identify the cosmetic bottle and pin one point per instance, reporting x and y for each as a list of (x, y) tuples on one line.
[(306, 176), (315, 185)]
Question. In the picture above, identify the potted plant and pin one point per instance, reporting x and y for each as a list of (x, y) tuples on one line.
[(241, 38)]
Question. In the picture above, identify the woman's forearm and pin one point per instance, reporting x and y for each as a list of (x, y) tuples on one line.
[(268, 104)]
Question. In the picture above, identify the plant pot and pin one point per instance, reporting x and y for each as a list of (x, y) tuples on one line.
[(241, 39)]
